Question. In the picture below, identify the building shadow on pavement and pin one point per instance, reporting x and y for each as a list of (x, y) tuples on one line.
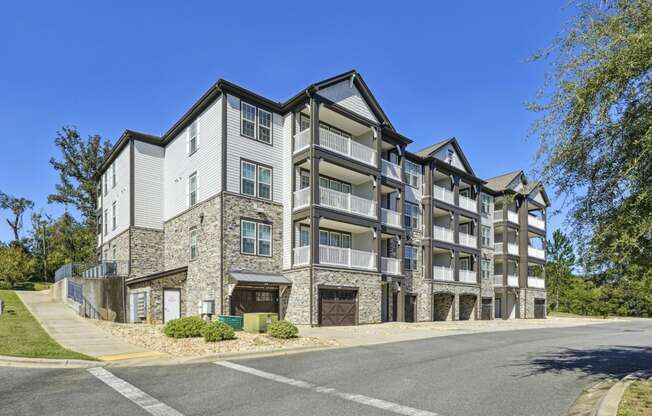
[(607, 361)]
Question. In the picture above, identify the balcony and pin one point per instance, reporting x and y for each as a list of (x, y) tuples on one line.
[(512, 281), (301, 198), (442, 234), (468, 240), (442, 194), (347, 147), (301, 255), (511, 248), (468, 203), (301, 140), (536, 222), (107, 269), (442, 273), (347, 202), (468, 276), (537, 253), (536, 282), (511, 216), (391, 170), (347, 257), (390, 218), (390, 266)]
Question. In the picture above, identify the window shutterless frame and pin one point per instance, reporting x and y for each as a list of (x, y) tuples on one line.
[(253, 235), (194, 253), (193, 137), (253, 119), (256, 177), (192, 189)]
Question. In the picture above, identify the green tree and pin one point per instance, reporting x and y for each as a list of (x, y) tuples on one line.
[(16, 265), (559, 271), (78, 170), (17, 206), (595, 132)]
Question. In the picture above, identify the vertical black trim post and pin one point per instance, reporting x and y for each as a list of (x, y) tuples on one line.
[(523, 242), (378, 195), (314, 199), (224, 134), (293, 189), (427, 222)]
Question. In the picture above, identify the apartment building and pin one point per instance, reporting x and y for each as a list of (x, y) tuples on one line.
[(314, 208)]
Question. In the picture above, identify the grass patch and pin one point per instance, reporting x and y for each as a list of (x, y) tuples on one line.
[(574, 315), (637, 400), (22, 336)]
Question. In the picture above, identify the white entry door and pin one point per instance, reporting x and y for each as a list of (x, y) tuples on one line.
[(171, 304)]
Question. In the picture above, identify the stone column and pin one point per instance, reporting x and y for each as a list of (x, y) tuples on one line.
[(456, 307)]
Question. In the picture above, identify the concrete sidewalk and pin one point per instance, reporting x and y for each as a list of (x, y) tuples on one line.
[(76, 333)]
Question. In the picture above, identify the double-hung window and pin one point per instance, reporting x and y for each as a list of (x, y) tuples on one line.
[(194, 253), (255, 238), (485, 204), (106, 184), (113, 177), (411, 255), (485, 268), (486, 236), (256, 180), (192, 138), (192, 189), (255, 123), (106, 221), (113, 215), (411, 215), (412, 173)]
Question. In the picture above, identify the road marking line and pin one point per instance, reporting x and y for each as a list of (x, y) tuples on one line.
[(358, 398), (133, 393)]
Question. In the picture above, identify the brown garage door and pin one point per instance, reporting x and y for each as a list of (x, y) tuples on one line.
[(245, 300), (539, 308), (337, 307)]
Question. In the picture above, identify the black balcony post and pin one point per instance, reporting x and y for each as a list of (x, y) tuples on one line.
[(427, 222)]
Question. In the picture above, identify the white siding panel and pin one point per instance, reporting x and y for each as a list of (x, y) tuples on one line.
[(539, 198), (287, 192), (148, 185), (442, 154), (118, 194), (240, 147), (349, 97), (206, 161)]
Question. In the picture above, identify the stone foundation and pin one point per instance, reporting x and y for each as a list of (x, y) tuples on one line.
[(466, 300)]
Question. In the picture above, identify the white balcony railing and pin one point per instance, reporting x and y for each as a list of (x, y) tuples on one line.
[(347, 257), (511, 248), (536, 252), (511, 216), (301, 140), (391, 170), (301, 198), (468, 240), (468, 276), (442, 194), (301, 255), (391, 218), (468, 203), (512, 281), (442, 234), (347, 202), (498, 280), (390, 265), (347, 147), (442, 273), (536, 282), (536, 222)]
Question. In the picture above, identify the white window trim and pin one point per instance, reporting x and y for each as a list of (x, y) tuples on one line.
[(114, 180), (114, 215), (256, 238), (256, 122), (190, 204), (195, 231), (189, 138), (243, 119), (257, 167), (259, 125)]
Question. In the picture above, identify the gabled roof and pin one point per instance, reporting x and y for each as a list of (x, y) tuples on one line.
[(535, 187), (122, 142), (500, 183), (430, 150), (427, 151)]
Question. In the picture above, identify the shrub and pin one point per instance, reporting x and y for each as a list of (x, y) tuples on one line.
[(282, 329), (4, 285), (187, 327), (217, 331)]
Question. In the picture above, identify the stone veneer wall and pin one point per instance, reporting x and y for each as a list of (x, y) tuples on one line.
[(203, 276), (236, 208), (415, 280), (295, 304), (155, 295), (456, 290), (487, 285), (121, 244), (527, 300), (368, 285), (147, 249)]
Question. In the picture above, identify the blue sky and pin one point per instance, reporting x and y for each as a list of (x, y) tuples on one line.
[(438, 69)]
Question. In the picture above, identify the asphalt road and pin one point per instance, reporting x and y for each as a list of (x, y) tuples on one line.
[(528, 372)]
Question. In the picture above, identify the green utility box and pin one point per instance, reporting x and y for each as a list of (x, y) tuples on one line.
[(234, 322), (257, 322)]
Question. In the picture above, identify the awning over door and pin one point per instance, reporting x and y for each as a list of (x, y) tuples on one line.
[(256, 278)]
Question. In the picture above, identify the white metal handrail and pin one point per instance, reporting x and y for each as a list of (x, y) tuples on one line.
[(512, 249), (347, 147), (468, 240), (301, 255), (391, 218), (347, 202), (301, 140), (468, 276), (512, 280), (390, 265), (536, 252), (442, 194), (498, 279), (442, 273), (536, 222), (442, 233), (468, 203), (347, 257), (536, 282), (301, 198), (390, 169), (512, 216)]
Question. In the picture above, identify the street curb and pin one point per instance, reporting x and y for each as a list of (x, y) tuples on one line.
[(9, 361), (608, 406)]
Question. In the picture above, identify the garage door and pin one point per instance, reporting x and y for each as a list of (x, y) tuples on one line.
[(246, 300), (539, 308), (337, 307)]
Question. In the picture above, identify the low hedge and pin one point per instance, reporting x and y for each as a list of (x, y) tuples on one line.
[(282, 329), (217, 331), (187, 327)]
